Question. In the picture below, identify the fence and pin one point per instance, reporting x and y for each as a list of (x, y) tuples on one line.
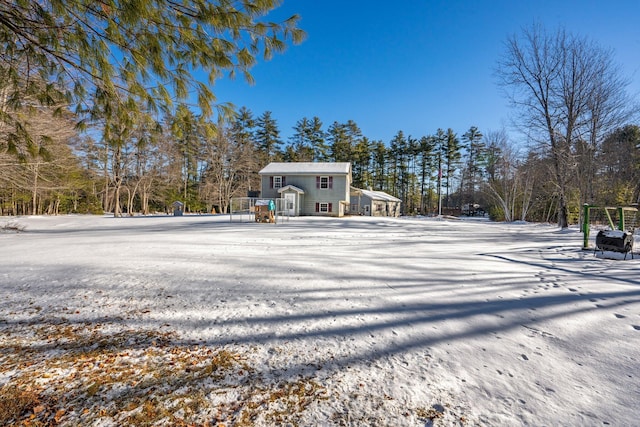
[(243, 209)]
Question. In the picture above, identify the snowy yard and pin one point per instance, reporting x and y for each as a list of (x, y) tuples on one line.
[(314, 321)]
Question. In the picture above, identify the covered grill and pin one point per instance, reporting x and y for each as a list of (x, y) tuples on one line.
[(615, 241)]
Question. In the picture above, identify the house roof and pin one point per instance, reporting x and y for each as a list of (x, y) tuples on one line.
[(378, 195), (306, 168)]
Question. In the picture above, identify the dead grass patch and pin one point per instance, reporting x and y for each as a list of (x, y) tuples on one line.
[(79, 374), (57, 373)]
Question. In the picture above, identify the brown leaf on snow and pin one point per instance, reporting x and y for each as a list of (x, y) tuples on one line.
[(147, 371)]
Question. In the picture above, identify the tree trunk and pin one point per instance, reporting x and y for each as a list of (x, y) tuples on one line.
[(34, 199), (144, 196), (105, 198), (117, 178)]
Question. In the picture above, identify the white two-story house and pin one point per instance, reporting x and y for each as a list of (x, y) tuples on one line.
[(308, 188)]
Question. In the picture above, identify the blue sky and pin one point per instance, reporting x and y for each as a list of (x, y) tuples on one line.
[(416, 65)]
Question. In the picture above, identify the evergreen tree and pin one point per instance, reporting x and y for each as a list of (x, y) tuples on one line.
[(398, 149), (354, 134), (300, 148), (267, 138), (243, 126), (475, 155), (440, 154), (340, 143), (413, 182), (290, 154), (379, 166), (318, 141), (426, 164), (242, 132), (361, 161), (619, 161), (162, 46), (452, 161)]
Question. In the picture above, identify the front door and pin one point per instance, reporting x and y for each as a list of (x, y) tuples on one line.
[(290, 204)]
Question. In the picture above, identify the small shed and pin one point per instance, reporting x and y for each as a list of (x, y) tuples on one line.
[(178, 208)]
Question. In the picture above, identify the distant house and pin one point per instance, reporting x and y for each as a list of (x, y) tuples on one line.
[(308, 188), (374, 203)]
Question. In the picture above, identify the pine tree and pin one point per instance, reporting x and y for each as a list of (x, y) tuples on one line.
[(620, 167), (440, 140), (243, 126), (475, 149), (129, 56), (318, 140), (361, 160), (426, 162), (267, 138), (340, 143), (242, 132), (398, 165), (300, 147), (452, 160), (379, 166)]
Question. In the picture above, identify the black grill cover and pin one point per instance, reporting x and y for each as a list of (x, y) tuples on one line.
[(614, 241)]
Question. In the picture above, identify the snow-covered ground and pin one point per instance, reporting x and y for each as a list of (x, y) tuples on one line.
[(366, 321)]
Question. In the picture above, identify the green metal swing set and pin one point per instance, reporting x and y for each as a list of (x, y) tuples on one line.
[(626, 215)]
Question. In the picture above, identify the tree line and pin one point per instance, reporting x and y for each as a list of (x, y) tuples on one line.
[(204, 164)]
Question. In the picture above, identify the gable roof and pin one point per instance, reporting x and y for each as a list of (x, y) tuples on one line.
[(291, 188), (378, 195), (306, 168)]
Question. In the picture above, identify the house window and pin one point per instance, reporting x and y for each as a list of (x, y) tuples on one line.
[(324, 182), (323, 207), (277, 181)]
